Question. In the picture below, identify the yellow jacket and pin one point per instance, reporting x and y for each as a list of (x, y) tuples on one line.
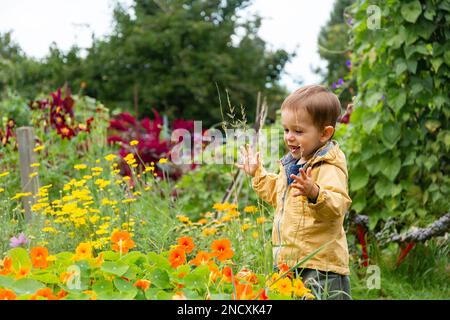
[(300, 227)]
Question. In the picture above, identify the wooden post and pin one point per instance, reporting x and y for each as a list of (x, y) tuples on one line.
[(25, 140)]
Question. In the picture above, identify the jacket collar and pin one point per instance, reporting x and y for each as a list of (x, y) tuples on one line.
[(288, 159)]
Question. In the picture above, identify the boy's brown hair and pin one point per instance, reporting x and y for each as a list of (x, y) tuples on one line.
[(322, 105)]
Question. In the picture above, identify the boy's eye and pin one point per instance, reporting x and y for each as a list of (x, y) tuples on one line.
[(286, 130), (298, 131)]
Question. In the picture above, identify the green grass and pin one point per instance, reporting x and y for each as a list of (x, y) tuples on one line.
[(424, 274)]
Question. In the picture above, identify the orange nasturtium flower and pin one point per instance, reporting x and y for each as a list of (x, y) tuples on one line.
[(143, 284), (7, 266), (177, 257), (201, 257), (244, 291), (222, 249), (39, 257), (22, 272), (83, 251), (44, 293), (186, 243), (6, 294), (122, 241)]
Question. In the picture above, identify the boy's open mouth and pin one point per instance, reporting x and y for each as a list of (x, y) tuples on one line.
[(294, 148)]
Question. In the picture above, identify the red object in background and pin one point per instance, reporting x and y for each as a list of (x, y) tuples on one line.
[(362, 240), (404, 252), (124, 128)]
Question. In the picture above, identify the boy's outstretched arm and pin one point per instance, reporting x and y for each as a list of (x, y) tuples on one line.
[(330, 191), (263, 183)]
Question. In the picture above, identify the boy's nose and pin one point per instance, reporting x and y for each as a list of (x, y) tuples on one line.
[(290, 137)]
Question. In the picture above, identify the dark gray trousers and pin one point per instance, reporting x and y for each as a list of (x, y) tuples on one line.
[(326, 285)]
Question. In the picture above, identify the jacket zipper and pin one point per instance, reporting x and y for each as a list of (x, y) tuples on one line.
[(278, 226)]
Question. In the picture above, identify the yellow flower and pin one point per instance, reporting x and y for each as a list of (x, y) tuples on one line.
[(49, 230), (284, 286), (261, 220), (202, 221), (245, 227), (162, 161), (300, 290), (134, 143), (34, 165), (80, 166), (110, 157), (255, 235), (183, 219), (251, 209), (1, 190), (129, 200), (209, 232), (39, 148), (32, 175), (21, 195), (97, 169), (4, 174)]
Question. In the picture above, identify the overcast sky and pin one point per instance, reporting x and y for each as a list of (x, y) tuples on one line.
[(289, 24)]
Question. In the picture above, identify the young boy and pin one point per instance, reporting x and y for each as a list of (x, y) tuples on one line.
[(310, 193)]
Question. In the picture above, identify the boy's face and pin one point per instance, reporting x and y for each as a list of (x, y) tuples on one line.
[(299, 131)]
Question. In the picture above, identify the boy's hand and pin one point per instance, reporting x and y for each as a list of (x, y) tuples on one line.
[(305, 184), (250, 161)]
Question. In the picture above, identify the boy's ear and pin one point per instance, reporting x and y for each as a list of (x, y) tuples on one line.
[(327, 133)]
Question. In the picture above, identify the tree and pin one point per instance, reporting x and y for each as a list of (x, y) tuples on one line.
[(335, 48), (174, 56)]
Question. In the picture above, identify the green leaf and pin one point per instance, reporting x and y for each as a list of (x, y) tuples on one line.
[(160, 278), (390, 167), (359, 202), (111, 295), (383, 188), (436, 63), (400, 66), (115, 268), (111, 255), (158, 260), (398, 101), (390, 134), (197, 278), (124, 286), (47, 278), (412, 65), (27, 286), (20, 258), (102, 286), (358, 178), (6, 282), (411, 11), (370, 120)]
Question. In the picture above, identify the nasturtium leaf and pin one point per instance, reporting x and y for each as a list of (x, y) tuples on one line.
[(20, 258), (158, 260), (115, 268), (411, 11), (27, 286), (124, 286), (6, 282), (160, 278), (102, 286)]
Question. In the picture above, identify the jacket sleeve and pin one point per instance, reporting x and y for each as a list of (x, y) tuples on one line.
[(333, 200), (264, 184)]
